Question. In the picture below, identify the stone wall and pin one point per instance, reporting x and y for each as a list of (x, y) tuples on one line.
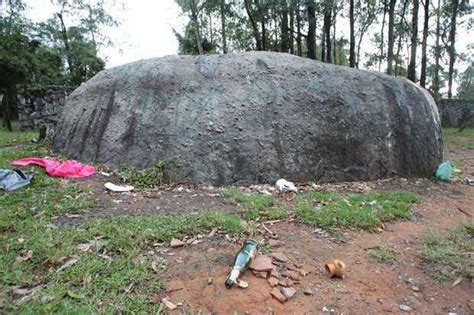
[(454, 112), (39, 108)]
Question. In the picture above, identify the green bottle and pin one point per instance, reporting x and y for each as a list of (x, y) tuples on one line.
[(241, 261)]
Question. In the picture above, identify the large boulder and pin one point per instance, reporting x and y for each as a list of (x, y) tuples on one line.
[(253, 117)]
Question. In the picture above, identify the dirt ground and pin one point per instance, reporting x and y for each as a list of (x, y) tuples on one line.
[(369, 286)]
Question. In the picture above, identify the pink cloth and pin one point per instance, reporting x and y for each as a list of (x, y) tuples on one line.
[(68, 169)]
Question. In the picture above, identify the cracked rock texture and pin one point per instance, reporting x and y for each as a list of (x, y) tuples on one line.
[(253, 117)]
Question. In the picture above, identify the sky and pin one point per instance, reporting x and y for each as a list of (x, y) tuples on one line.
[(146, 30)]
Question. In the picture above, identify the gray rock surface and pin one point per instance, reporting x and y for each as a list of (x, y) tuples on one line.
[(253, 117)]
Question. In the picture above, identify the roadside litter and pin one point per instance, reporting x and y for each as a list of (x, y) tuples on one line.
[(116, 188), (283, 185), (13, 179), (67, 169), (241, 262), (469, 181), (446, 170), (336, 268)]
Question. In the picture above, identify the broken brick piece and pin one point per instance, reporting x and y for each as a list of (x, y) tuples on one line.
[(280, 257), (276, 293), (261, 263), (273, 281)]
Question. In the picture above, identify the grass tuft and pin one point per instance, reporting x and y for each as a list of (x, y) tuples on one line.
[(449, 255), (383, 255), (365, 211)]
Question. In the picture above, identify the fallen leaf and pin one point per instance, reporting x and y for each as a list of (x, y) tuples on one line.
[(68, 264), (242, 284), (457, 281), (18, 290), (153, 266)]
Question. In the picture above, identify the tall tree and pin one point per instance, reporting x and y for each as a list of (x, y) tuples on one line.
[(352, 35), (311, 38), (391, 38), (437, 52), (256, 33), (366, 11), (424, 42), (285, 31), (414, 42), (452, 45), (327, 19), (223, 26), (299, 46)]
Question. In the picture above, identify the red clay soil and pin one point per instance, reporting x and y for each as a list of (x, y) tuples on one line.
[(369, 286)]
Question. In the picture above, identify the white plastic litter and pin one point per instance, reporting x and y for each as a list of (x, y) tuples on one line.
[(283, 185), (116, 188)]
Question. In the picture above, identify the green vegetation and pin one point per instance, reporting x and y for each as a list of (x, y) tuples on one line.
[(113, 275), (463, 139), (254, 207), (383, 255), (327, 209), (449, 255), (16, 136), (160, 174)]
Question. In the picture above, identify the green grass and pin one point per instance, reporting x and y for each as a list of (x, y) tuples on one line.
[(383, 255), (16, 136), (449, 255), (364, 211), (464, 139), (160, 174), (116, 278), (254, 207)]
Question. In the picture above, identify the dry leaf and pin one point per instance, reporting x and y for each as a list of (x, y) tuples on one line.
[(153, 266), (87, 279), (68, 263), (457, 281)]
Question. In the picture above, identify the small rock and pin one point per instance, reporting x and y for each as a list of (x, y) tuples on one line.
[(273, 281), (404, 308), (288, 292), (278, 295), (242, 284), (308, 291), (177, 243), (279, 257), (294, 276), (261, 263), (209, 281), (415, 288), (274, 273)]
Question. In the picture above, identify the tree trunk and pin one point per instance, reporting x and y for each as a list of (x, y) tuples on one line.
[(414, 42), (6, 109), (284, 40), (327, 32), (382, 34), (424, 43), (254, 24), (311, 38), (334, 41), (292, 27), (298, 32), (352, 35), (391, 24), (65, 39), (197, 32), (436, 83), (224, 35), (452, 48)]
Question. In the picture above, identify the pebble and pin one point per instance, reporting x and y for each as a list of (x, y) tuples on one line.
[(415, 288), (308, 291), (209, 281), (288, 292), (404, 308), (177, 243)]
